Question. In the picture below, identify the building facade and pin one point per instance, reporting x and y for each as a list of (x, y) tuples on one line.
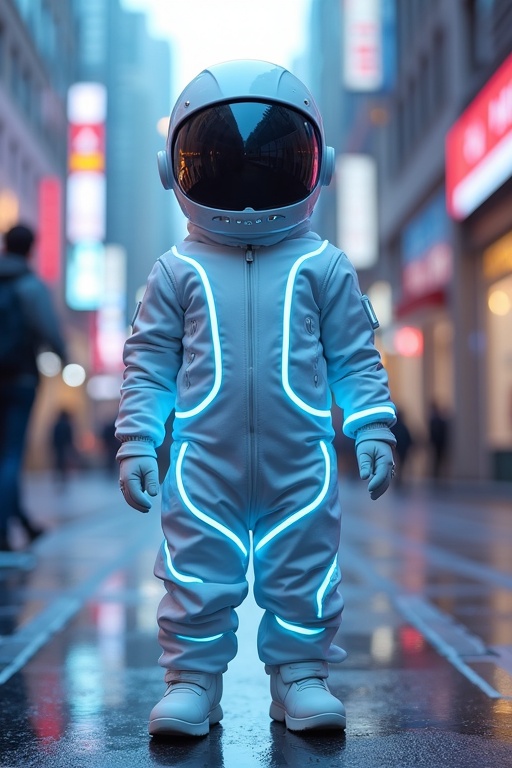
[(37, 63), (117, 50), (446, 273), (38, 44), (46, 48)]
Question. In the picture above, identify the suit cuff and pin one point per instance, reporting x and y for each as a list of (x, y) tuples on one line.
[(136, 446), (376, 431)]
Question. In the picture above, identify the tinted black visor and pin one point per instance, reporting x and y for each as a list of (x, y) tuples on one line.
[(246, 154)]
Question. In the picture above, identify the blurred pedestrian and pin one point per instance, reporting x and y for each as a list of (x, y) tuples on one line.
[(404, 444), (438, 433), (63, 444), (111, 445), (29, 323)]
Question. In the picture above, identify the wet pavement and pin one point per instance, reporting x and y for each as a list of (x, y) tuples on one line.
[(427, 626)]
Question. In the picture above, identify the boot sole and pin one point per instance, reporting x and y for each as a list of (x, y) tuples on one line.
[(331, 721), (171, 726)]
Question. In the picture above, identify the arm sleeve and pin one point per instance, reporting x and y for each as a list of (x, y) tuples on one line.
[(356, 375), (152, 356)]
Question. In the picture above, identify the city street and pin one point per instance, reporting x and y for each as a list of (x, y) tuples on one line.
[(427, 626)]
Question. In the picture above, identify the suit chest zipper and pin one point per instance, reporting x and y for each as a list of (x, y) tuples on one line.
[(249, 261)]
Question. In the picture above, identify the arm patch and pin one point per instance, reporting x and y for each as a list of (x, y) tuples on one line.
[(370, 312)]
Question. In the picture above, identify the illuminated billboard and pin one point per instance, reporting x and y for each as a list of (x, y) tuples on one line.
[(85, 276), (427, 252), (356, 208), (479, 146), (86, 195), (369, 57)]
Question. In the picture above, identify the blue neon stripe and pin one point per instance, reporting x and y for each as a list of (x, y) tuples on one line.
[(305, 510), (286, 336), (323, 587), (297, 629), (215, 338), (378, 410), (199, 639), (197, 512), (177, 575)]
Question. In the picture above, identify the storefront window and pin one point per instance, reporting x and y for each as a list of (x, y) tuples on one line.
[(442, 371), (499, 377)]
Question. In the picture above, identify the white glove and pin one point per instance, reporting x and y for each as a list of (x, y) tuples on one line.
[(374, 454), (138, 475)]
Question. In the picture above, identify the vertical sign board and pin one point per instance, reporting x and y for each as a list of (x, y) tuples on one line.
[(362, 45), (356, 208), (84, 276), (479, 146), (111, 325), (86, 195), (369, 45)]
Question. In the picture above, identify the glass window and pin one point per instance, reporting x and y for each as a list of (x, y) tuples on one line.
[(15, 75), (499, 363), (423, 93), (25, 92), (13, 164), (439, 70), (479, 31), (2, 51), (412, 121), (442, 372), (400, 134), (47, 37)]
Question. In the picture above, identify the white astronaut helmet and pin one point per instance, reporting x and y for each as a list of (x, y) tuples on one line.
[(246, 149)]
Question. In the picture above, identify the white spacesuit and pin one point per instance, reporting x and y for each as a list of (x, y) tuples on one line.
[(245, 329)]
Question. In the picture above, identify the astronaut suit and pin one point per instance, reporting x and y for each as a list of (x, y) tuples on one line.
[(245, 329)]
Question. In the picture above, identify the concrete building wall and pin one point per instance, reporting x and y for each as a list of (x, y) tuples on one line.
[(445, 53), (117, 50), (37, 45)]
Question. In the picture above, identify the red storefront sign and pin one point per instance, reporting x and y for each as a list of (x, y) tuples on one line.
[(479, 146), (49, 241)]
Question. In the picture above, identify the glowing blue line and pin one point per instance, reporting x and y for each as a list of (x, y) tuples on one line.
[(177, 575), (305, 510), (199, 639), (379, 409), (215, 339), (286, 336), (197, 512), (323, 587), (297, 629)]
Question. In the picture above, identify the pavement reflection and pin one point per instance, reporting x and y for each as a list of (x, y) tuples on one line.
[(427, 625)]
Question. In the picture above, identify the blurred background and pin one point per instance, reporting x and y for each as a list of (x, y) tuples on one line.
[(417, 102)]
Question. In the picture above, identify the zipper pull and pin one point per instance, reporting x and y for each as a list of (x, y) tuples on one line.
[(249, 254)]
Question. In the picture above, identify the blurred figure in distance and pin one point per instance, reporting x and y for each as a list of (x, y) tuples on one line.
[(29, 324), (63, 444), (404, 444), (111, 445), (438, 435)]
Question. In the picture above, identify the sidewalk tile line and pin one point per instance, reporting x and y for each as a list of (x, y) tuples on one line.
[(68, 610), (70, 606), (444, 649)]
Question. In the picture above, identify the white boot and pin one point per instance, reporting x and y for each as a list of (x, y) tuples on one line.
[(301, 698), (189, 706)]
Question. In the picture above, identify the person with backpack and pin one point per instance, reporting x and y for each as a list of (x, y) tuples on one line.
[(29, 323)]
